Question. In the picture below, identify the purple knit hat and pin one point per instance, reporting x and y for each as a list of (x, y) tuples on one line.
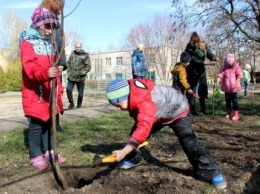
[(43, 16)]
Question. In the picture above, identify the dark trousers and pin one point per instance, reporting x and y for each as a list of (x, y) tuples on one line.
[(80, 88), (246, 88), (231, 98), (40, 136), (191, 100), (203, 163), (202, 92)]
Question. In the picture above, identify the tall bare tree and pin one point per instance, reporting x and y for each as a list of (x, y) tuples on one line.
[(238, 16), (162, 44), (232, 25), (11, 29)]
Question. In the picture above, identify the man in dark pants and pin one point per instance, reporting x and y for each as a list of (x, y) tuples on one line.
[(78, 66)]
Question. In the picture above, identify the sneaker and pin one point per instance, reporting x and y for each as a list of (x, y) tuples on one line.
[(78, 107), (219, 182), (39, 163), (228, 116), (50, 157), (71, 106), (127, 164)]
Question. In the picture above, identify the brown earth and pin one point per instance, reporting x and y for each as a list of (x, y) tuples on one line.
[(165, 168)]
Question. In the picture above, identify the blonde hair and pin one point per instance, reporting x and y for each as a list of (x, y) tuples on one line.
[(140, 47)]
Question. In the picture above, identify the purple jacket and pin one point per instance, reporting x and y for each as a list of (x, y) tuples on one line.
[(229, 77)]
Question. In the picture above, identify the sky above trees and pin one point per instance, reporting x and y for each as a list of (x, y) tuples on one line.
[(100, 23)]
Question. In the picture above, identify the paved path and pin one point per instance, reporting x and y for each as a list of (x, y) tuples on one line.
[(12, 116)]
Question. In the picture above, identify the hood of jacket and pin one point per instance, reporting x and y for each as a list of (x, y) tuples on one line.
[(136, 52), (30, 33)]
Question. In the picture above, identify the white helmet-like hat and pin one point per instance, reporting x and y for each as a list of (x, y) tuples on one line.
[(247, 66)]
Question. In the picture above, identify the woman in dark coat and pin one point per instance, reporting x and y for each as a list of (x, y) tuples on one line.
[(196, 71)]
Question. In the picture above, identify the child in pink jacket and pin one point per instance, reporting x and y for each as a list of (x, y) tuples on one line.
[(230, 76)]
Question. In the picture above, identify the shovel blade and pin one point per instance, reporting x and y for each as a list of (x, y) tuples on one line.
[(101, 161)]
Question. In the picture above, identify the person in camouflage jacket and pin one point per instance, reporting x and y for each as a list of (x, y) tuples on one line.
[(78, 66)]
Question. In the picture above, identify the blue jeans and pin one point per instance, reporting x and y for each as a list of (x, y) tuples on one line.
[(246, 88), (80, 88), (40, 136)]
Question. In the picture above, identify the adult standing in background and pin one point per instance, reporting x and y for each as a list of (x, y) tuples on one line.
[(246, 78), (78, 66), (138, 62), (55, 6), (196, 71)]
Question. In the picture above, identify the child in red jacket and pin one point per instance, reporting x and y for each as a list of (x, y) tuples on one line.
[(37, 53), (154, 107)]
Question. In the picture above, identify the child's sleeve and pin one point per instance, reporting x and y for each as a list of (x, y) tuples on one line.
[(144, 123), (183, 78), (30, 63)]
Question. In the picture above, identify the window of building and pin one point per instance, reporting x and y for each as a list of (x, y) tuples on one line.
[(98, 61), (90, 76), (108, 76), (119, 76), (119, 61), (151, 75), (108, 61)]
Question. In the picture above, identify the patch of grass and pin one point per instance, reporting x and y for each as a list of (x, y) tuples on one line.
[(101, 135)]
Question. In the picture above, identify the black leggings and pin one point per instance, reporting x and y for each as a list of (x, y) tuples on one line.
[(231, 98)]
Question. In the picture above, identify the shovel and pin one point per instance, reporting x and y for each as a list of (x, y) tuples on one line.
[(102, 161)]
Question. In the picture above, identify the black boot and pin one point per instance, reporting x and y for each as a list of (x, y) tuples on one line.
[(80, 99), (71, 106), (193, 111), (70, 98), (203, 108), (58, 127)]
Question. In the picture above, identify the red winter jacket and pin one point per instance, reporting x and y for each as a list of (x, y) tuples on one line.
[(142, 109), (36, 85), (149, 104)]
